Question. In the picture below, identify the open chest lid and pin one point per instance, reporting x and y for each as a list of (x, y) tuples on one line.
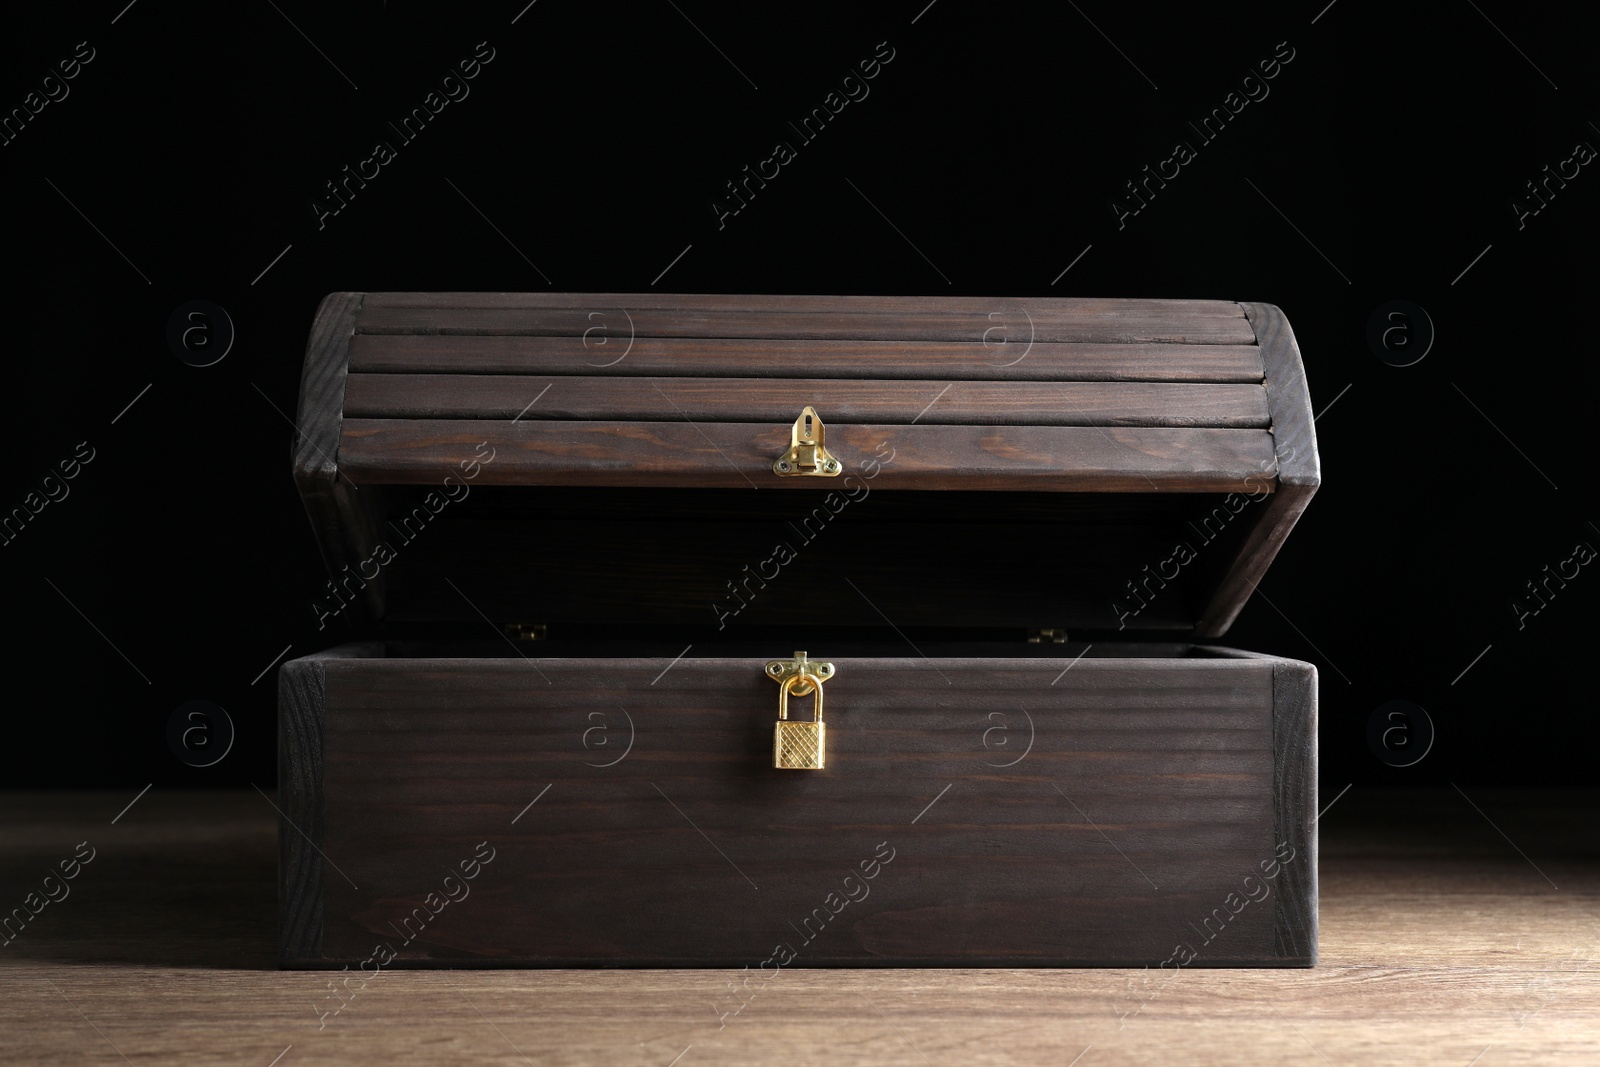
[(600, 459)]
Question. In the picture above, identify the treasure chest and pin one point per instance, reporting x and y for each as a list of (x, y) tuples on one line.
[(771, 631)]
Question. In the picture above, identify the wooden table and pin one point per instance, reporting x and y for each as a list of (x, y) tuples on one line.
[(1457, 928)]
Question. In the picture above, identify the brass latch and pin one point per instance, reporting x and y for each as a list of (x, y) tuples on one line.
[(807, 454), (525, 631), (797, 745)]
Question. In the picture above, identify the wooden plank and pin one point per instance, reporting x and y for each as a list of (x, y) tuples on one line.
[(1296, 468), (1255, 555), (1294, 718), (1114, 322), (1294, 432), (1201, 694), (301, 699), (322, 386), (622, 353), (345, 521), (1047, 306), (731, 455), (302, 694), (680, 843), (498, 396)]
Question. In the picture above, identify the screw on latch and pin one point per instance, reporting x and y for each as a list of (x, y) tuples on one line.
[(807, 454)]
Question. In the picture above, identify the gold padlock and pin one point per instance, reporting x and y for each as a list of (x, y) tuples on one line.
[(797, 745)]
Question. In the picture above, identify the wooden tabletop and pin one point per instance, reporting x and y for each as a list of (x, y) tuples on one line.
[(1458, 928)]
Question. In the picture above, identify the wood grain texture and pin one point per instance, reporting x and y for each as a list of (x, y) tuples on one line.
[(1116, 328), (1440, 943), (1296, 468), (635, 817), (617, 351), (1062, 307), (345, 521), (928, 402), (302, 698), (322, 385), (1255, 555), (733, 455), (1294, 774), (1288, 397), (869, 318), (698, 393)]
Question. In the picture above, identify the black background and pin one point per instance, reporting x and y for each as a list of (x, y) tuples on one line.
[(995, 140)]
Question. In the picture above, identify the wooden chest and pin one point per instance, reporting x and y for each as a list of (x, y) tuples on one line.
[(575, 542)]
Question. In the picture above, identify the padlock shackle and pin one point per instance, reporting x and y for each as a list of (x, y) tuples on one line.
[(793, 682)]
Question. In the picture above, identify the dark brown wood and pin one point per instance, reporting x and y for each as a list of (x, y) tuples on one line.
[(731, 455), (1288, 397), (891, 318), (302, 703), (923, 326), (345, 522), (927, 402), (1296, 469), (1294, 698), (1062, 307), (1042, 807), (675, 843), (617, 351), (621, 408)]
